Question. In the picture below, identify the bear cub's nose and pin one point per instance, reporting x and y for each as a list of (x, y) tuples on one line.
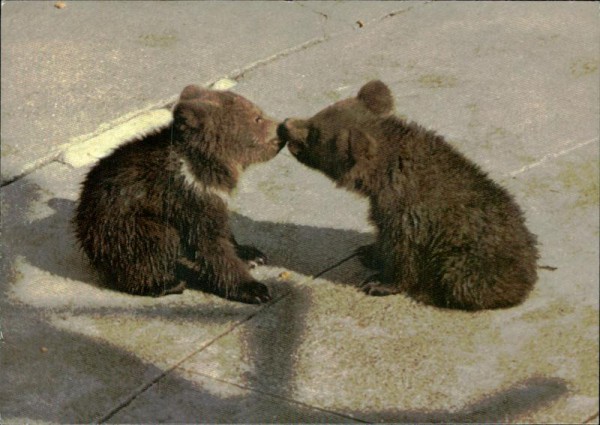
[(283, 132)]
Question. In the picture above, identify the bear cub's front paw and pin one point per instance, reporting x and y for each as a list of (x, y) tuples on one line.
[(374, 287), (252, 292), (251, 255)]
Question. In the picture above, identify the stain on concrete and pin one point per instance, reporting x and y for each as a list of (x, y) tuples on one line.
[(371, 76), (535, 187), (482, 51), (158, 40), (525, 159), (582, 67), (436, 81), (380, 60), (271, 189), (333, 95), (582, 178), (555, 325), (495, 136), (472, 107), (7, 150), (544, 39), (497, 132)]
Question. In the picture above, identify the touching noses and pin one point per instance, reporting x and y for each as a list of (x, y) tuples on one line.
[(293, 130), (283, 130)]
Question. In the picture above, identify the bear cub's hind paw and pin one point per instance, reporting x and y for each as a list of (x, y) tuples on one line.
[(252, 292), (374, 287), (251, 255)]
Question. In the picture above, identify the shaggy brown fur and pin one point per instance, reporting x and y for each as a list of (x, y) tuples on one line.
[(152, 216), (447, 234)]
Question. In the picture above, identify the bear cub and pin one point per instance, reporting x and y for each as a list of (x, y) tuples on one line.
[(152, 216), (447, 235)]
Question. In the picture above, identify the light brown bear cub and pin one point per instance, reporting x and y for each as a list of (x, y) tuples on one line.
[(152, 216), (447, 234)]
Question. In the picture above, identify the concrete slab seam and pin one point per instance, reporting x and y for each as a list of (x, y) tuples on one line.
[(31, 167), (279, 397), (340, 262), (591, 418), (321, 14), (307, 6), (74, 157), (238, 74), (552, 155), (125, 401), (88, 148), (78, 144), (402, 11)]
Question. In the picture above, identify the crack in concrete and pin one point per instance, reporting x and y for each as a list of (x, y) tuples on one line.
[(30, 168), (339, 263), (552, 155), (126, 401), (403, 11), (280, 397), (239, 74), (236, 75)]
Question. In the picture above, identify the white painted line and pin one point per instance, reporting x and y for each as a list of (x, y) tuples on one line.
[(91, 149), (223, 84), (550, 156)]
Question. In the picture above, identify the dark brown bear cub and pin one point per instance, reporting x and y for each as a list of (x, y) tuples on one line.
[(152, 216), (447, 234)]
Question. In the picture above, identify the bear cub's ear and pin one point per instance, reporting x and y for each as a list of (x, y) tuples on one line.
[(190, 114), (377, 97), (191, 92)]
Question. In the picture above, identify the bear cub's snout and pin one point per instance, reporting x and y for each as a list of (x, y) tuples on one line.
[(293, 132)]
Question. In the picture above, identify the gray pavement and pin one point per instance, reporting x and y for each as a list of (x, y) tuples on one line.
[(515, 86)]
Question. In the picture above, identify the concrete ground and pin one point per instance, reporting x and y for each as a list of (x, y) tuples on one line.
[(514, 86)]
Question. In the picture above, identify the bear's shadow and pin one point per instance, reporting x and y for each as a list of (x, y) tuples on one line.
[(51, 247), (306, 250)]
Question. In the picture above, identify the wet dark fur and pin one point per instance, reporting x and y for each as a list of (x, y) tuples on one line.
[(150, 215), (447, 234)]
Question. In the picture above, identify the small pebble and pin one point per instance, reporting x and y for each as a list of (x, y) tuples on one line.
[(284, 275)]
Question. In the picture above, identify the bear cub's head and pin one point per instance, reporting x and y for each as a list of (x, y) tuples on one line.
[(339, 140), (223, 127)]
